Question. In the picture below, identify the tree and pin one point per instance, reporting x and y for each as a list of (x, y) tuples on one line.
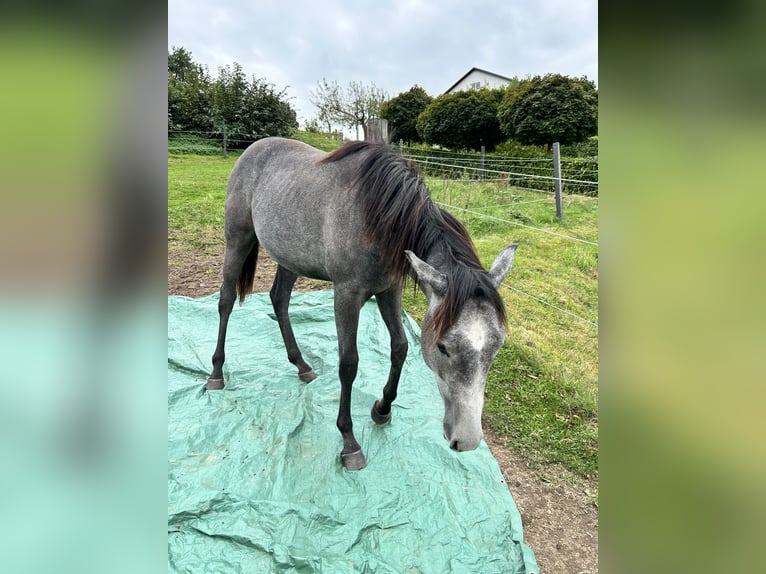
[(250, 110), (189, 95), (268, 111), (351, 108), (402, 113), (463, 120), (552, 108), (230, 98)]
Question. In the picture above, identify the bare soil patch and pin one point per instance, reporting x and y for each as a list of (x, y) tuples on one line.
[(558, 512)]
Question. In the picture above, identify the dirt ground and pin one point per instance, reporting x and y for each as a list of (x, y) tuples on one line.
[(558, 514)]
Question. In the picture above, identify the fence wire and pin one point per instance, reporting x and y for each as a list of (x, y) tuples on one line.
[(549, 304), (479, 164), (503, 172), (476, 164), (516, 223)]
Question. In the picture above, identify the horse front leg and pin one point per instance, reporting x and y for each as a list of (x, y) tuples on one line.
[(390, 307), (347, 307)]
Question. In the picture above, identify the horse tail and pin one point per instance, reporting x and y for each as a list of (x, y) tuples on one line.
[(247, 275)]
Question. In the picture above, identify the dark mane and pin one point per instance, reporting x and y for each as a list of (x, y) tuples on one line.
[(400, 215)]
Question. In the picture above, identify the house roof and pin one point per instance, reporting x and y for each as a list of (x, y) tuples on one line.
[(475, 69)]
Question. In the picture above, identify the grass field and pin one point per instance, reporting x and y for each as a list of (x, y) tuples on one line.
[(542, 390)]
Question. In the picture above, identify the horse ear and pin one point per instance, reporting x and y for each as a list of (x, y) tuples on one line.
[(429, 279), (502, 265)]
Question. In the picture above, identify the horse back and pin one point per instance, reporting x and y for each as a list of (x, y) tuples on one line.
[(304, 212)]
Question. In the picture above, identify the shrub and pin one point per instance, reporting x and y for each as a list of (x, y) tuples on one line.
[(463, 120)]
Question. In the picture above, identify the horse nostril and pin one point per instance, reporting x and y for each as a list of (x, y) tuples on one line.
[(453, 444)]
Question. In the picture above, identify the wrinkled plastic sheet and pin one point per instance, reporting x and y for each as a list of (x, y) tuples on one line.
[(255, 480)]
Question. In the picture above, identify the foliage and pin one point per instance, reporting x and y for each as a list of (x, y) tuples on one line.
[(319, 140), (552, 108), (193, 144), (248, 109), (312, 126), (252, 110), (516, 149), (349, 108), (189, 85), (463, 120), (402, 113), (587, 148)]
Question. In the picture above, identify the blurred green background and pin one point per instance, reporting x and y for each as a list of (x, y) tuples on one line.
[(683, 321)]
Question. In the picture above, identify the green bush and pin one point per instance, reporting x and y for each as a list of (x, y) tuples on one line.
[(193, 144), (551, 108), (588, 148), (463, 120), (402, 113), (516, 149)]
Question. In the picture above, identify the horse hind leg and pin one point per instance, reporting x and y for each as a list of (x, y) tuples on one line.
[(280, 299), (239, 263)]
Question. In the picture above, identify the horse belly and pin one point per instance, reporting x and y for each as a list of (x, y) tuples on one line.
[(317, 253), (294, 251)]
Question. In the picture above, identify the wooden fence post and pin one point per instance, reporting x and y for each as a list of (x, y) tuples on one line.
[(377, 130), (224, 140), (557, 180)]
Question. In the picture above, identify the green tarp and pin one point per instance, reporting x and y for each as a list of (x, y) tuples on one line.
[(255, 480)]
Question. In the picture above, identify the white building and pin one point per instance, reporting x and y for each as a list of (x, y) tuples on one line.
[(477, 78)]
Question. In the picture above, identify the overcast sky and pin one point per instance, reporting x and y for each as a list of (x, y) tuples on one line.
[(394, 44)]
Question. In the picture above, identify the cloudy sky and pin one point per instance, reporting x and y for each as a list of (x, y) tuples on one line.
[(394, 44)]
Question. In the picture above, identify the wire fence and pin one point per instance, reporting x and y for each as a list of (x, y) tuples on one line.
[(579, 179), (579, 175), (561, 309), (456, 171), (209, 142), (517, 224), (538, 298), (452, 172)]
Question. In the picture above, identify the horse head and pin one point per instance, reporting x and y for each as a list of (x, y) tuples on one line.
[(461, 355)]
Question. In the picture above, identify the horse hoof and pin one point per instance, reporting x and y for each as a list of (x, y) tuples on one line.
[(378, 418), (353, 460), (214, 384), (308, 376)]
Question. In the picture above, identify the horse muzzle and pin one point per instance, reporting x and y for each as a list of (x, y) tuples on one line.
[(462, 441), (462, 445), (462, 419)]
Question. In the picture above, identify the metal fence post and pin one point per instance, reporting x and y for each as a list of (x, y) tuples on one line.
[(481, 176), (557, 180), (224, 140)]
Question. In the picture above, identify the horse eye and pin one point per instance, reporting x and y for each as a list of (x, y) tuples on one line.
[(442, 349)]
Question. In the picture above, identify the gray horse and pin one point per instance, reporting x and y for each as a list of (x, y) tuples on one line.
[(363, 219)]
